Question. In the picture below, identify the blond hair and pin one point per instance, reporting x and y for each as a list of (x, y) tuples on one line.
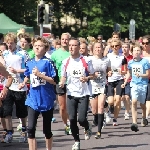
[(68, 34), (10, 37)]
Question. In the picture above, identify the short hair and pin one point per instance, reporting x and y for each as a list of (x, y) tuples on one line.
[(117, 41), (68, 34), (76, 39), (27, 37), (116, 33), (42, 39), (136, 44), (4, 44), (98, 43), (100, 36), (10, 36), (126, 44), (147, 37)]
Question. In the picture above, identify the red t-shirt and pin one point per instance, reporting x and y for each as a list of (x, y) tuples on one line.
[(129, 57)]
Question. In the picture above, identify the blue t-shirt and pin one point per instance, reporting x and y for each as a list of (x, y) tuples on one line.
[(139, 67), (41, 96)]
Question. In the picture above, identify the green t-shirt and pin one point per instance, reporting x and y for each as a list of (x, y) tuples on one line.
[(58, 56), (31, 53)]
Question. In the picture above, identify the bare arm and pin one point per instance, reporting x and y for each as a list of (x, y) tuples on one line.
[(146, 75), (128, 75)]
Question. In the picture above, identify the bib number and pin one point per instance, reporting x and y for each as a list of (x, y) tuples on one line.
[(76, 72), (36, 81), (98, 89), (15, 81), (136, 70)]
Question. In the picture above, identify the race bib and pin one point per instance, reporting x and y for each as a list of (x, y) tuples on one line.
[(36, 81), (137, 69), (76, 72), (16, 81), (99, 89)]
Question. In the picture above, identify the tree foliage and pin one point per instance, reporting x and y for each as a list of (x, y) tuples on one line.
[(101, 15)]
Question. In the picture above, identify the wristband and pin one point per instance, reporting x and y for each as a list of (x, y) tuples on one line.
[(7, 87)]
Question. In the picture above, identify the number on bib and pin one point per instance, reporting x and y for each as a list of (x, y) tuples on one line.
[(137, 70), (15, 81), (76, 72), (36, 81), (98, 89)]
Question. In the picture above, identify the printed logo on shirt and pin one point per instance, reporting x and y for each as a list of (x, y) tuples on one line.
[(37, 81)]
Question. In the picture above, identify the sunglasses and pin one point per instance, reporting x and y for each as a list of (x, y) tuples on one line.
[(114, 46), (145, 43)]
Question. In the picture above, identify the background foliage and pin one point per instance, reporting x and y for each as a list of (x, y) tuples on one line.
[(92, 17)]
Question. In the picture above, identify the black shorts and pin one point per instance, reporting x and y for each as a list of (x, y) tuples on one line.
[(17, 97), (116, 84), (61, 91), (148, 92)]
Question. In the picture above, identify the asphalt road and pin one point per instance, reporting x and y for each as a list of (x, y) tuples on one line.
[(113, 138)]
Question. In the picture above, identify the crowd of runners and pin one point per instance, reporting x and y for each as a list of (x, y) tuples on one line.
[(76, 74)]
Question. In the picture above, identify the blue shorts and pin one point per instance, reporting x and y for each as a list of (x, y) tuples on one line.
[(139, 92), (127, 90)]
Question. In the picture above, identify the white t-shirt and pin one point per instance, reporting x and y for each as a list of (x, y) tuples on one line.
[(16, 60), (74, 71), (117, 61), (99, 65)]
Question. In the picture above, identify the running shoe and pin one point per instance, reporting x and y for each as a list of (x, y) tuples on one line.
[(23, 137), (88, 133), (8, 138), (104, 124), (67, 130), (108, 117), (144, 122), (98, 135), (53, 120), (76, 146), (19, 127), (126, 116), (115, 122), (134, 127)]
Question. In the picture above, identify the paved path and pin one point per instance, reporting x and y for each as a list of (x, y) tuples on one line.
[(113, 138)]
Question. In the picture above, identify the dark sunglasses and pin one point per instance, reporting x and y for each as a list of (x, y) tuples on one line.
[(114, 46), (145, 43)]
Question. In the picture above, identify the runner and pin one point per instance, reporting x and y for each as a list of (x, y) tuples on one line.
[(139, 70), (58, 56), (41, 96), (15, 63), (127, 95), (146, 55), (115, 79), (74, 70), (101, 66), (25, 42)]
